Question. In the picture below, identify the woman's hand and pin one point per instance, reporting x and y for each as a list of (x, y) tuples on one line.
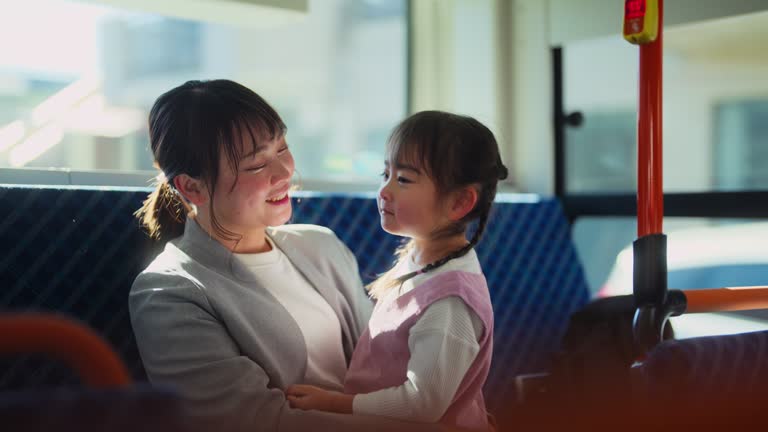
[(307, 397)]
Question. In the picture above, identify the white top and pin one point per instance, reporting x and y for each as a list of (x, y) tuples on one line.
[(326, 364), (443, 344)]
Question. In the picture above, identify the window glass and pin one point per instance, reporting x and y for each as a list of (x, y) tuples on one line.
[(701, 253), (77, 81), (715, 108)]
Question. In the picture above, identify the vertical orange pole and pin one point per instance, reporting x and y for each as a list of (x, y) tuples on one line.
[(650, 193)]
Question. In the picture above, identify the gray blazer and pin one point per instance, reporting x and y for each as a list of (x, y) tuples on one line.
[(228, 346)]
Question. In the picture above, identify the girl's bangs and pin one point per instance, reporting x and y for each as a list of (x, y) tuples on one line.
[(404, 146)]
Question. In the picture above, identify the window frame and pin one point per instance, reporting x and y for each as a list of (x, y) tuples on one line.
[(747, 204)]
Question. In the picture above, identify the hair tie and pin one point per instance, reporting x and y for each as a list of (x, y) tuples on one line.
[(502, 172), (161, 178)]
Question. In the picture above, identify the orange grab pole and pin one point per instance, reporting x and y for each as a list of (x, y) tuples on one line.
[(726, 299), (94, 361), (650, 195)]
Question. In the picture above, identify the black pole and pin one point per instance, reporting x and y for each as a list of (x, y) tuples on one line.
[(558, 121)]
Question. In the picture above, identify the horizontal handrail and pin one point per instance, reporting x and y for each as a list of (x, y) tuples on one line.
[(726, 299)]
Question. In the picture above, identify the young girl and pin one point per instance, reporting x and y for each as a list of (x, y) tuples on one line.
[(427, 349)]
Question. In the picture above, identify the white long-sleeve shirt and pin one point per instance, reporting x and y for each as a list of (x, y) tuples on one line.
[(326, 364), (443, 344)]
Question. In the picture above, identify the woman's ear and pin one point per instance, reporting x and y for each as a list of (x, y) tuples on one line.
[(463, 201), (192, 189)]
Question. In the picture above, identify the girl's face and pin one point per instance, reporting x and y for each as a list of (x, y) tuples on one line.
[(408, 201), (259, 197)]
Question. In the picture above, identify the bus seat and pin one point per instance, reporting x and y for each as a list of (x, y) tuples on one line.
[(74, 251), (110, 402), (722, 366), (77, 251), (716, 382)]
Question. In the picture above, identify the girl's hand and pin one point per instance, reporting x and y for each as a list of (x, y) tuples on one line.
[(307, 397)]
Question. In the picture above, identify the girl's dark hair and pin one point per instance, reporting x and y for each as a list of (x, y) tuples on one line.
[(455, 151), (190, 126)]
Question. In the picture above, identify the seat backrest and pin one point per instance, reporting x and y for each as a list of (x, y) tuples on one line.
[(718, 382), (73, 251), (704, 367), (77, 251)]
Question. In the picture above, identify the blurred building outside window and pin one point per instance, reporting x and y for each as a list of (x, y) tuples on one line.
[(77, 81)]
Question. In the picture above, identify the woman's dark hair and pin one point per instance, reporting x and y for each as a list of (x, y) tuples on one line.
[(455, 151), (190, 127)]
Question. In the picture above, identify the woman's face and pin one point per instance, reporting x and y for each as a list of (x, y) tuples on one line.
[(256, 195)]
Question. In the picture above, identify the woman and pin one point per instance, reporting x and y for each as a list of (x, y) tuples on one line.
[(238, 306)]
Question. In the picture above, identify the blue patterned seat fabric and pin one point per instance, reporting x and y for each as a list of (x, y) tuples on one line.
[(77, 251), (73, 251)]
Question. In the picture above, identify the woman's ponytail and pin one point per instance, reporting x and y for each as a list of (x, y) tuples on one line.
[(163, 213)]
